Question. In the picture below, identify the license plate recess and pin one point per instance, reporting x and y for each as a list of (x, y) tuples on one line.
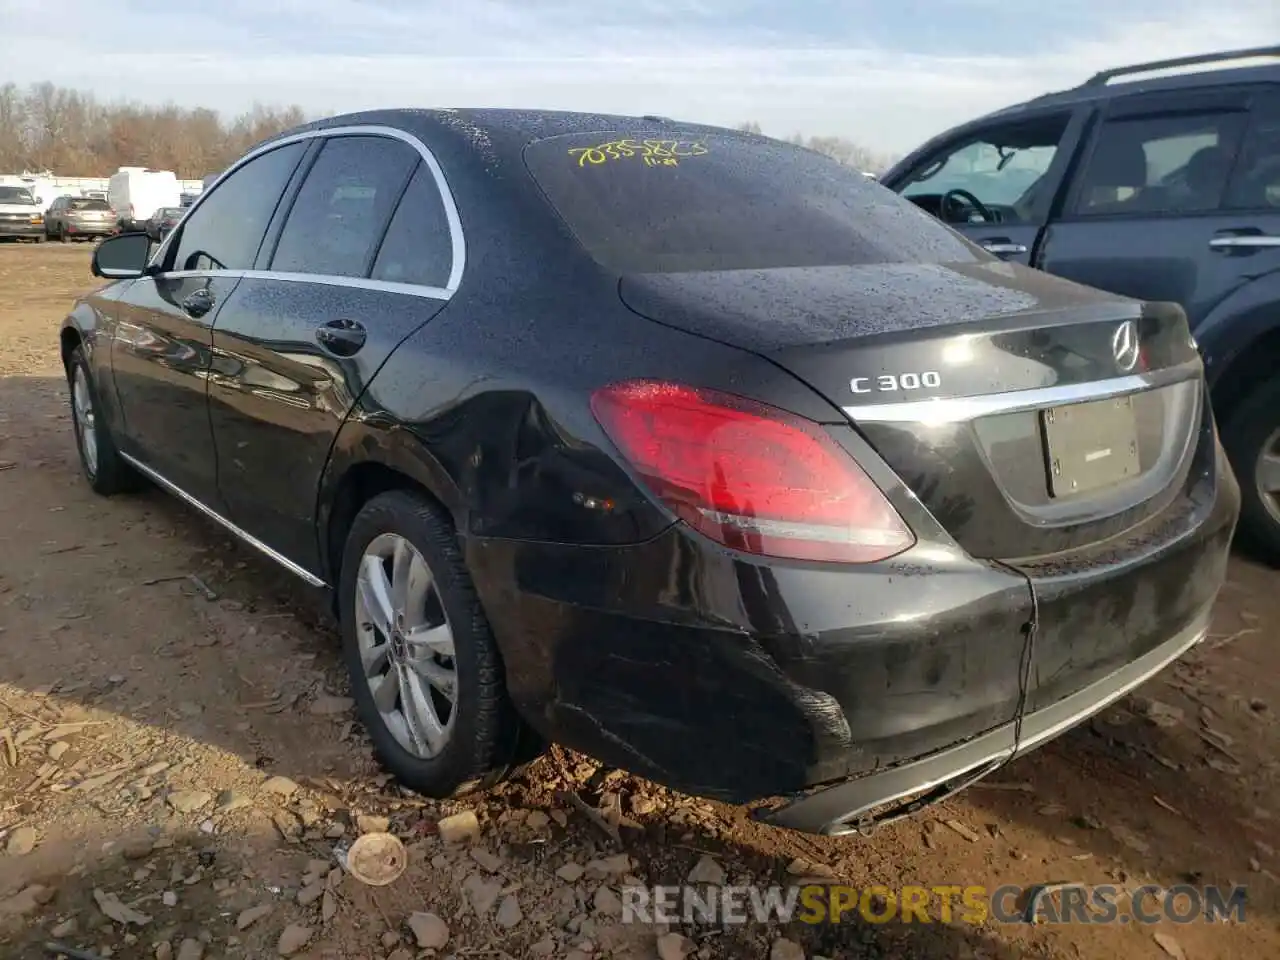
[(1089, 445)]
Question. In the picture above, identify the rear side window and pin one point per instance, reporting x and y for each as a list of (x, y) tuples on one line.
[(418, 247), (1160, 165), (225, 231), (343, 207), (653, 204)]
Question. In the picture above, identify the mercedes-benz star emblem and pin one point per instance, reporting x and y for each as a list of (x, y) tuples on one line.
[(1124, 345)]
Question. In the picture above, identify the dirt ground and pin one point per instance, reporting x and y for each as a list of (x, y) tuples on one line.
[(176, 752)]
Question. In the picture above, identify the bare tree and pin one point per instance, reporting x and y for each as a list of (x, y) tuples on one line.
[(838, 148), (46, 127)]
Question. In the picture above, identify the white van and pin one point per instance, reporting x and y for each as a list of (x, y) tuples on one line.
[(41, 188), (135, 193)]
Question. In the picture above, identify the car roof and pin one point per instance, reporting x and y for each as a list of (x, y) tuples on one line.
[(497, 134), (1099, 86), (481, 153)]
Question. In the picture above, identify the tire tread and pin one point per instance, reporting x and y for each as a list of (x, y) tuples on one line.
[(493, 725)]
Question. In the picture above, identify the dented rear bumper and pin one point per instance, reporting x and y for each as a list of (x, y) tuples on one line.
[(853, 805), (843, 688)]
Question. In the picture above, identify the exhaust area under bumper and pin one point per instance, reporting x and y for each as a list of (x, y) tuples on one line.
[(851, 807)]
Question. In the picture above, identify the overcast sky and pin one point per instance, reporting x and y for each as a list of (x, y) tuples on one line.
[(887, 74)]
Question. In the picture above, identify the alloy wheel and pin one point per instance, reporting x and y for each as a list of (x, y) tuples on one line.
[(86, 422), (1266, 474), (406, 645)]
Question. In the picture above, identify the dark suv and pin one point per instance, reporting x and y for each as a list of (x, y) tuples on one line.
[(1162, 188)]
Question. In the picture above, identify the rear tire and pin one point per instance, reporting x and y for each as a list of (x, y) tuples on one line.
[(431, 745), (100, 461), (1251, 434)]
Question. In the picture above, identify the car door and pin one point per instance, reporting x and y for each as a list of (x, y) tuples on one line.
[(1168, 207), (996, 183), (362, 258), (160, 356)]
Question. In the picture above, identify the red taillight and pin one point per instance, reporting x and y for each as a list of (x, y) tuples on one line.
[(750, 476)]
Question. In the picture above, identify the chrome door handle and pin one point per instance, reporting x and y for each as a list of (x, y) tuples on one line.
[(1247, 241), (997, 247), (343, 338)]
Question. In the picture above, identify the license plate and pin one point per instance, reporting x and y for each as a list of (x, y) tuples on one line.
[(1090, 445)]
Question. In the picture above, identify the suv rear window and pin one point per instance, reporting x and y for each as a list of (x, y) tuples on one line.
[(652, 204), (88, 204)]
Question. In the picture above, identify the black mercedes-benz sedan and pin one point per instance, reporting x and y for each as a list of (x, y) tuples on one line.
[(686, 448)]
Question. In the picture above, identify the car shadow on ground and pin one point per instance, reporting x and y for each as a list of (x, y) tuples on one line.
[(139, 607)]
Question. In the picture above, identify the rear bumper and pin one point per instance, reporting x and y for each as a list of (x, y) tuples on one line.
[(837, 810), (687, 664), (745, 680), (99, 229)]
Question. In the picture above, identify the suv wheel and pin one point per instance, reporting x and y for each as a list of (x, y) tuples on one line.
[(100, 461), (1252, 440), (425, 670)]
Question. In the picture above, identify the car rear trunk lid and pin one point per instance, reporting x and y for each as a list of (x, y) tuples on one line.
[(1031, 416)]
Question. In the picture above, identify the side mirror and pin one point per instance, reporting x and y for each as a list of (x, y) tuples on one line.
[(122, 257)]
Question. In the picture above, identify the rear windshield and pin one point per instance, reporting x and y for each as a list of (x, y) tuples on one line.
[(89, 204), (722, 202)]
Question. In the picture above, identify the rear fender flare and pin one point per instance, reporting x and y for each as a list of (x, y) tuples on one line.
[(392, 455), (1239, 341)]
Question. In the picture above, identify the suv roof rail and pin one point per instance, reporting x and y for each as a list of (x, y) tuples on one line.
[(1100, 79)]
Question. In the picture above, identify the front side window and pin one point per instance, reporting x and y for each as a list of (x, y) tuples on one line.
[(1003, 169), (653, 204), (1147, 166), (225, 231), (343, 207)]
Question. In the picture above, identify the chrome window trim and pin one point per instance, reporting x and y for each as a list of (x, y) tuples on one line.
[(212, 514), (942, 410), (457, 239), (359, 283)]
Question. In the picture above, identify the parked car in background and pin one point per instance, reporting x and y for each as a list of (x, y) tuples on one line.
[(79, 218), (136, 192), (1163, 187), (162, 221), (844, 510), (20, 215)]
